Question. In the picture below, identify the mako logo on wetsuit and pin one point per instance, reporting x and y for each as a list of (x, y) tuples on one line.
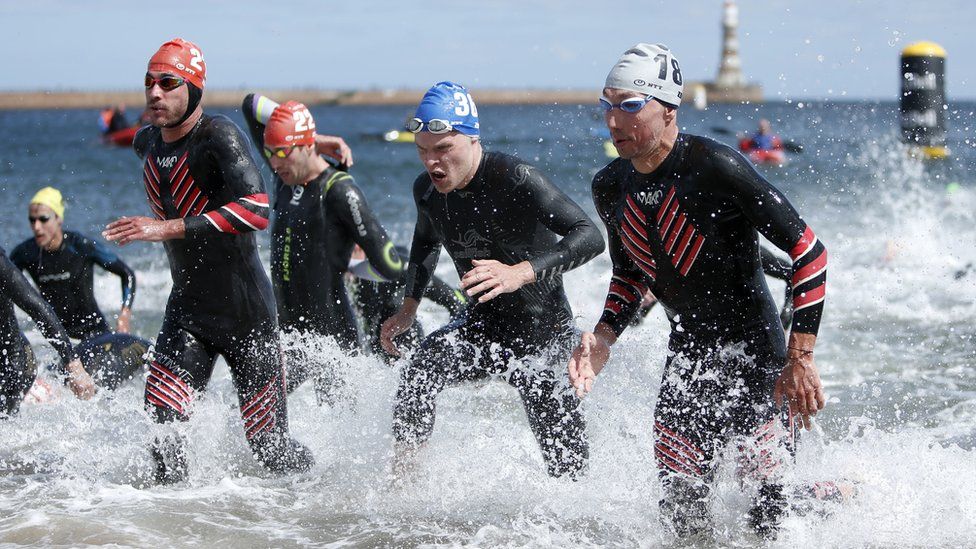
[(166, 161), (649, 199)]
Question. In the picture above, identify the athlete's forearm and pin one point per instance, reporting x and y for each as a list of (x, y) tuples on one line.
[(800, 343), (23, 295), (348, 202), (581, 240), (127, 277), (606, 332), (246, 214)]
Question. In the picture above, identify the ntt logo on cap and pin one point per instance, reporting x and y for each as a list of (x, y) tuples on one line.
[(648, 69)]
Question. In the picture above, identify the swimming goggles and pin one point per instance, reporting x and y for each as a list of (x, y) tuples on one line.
[(167, 82), (280, 152), (41, 218), (632, 105), (434, 125)]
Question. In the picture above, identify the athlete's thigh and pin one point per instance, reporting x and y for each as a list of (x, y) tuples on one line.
[(459, 351)]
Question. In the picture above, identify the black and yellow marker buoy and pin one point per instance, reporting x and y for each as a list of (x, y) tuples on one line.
[(923, 101)]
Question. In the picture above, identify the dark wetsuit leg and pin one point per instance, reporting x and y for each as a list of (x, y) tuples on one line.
[(258, 371), (448, 355), (554, 412), (18, 368), (465, 351), (180, 367), (713, 396), (112, 358)]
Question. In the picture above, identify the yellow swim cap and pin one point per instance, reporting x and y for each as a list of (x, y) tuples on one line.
[(50, 197)]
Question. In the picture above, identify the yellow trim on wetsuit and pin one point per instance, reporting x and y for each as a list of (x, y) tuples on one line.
[(334, 178), (388, 255)]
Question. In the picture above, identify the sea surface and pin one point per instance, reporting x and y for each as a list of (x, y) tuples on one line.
[(896, 351)]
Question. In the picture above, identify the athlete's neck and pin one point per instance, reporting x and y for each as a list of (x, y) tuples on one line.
[(317, 166), (179, 132), (55, 243), (649, 162), (478, 153)]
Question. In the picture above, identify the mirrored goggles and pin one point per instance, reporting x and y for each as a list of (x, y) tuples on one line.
[(167, 82), (279, 152), (434, 125), (632, 105)]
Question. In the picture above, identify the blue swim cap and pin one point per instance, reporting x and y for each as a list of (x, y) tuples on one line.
[(451, 102)]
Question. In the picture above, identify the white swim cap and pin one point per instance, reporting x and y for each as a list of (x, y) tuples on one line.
[(648, 69)]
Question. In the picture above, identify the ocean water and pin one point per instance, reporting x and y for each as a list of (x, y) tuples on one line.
[(896, 352)]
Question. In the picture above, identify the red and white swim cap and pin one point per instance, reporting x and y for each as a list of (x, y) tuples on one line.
[(290, 124), (180, 58)]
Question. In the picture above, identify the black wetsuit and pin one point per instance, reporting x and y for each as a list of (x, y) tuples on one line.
[(314, 229), (773, 266), (221, 302), (17, 365), (511, 213), (378, 301), (65, 278), (689, 233)]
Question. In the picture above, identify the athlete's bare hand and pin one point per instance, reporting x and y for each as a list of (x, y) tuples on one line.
[(799, 385), (588, 359), (129, 229), (334, 147), (80, 383), (125, 318), (397, 324), (496, 278)]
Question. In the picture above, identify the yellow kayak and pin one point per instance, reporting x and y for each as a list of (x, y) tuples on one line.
[(396, 136)]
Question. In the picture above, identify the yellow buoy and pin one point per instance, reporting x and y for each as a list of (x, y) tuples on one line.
[(923, 102)]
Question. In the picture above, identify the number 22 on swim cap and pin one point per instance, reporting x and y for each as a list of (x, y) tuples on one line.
[(465, 105), (303, 121)]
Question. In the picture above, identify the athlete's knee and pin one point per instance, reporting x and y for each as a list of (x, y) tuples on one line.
[(168, 396)]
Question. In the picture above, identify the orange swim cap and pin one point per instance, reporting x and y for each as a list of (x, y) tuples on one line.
[(180, 58), (290, 124)]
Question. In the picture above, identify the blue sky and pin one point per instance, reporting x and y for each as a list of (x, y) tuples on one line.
[(801, 50)]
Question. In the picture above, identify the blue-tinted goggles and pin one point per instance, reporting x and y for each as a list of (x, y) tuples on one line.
[(632, 105), (434, 125)]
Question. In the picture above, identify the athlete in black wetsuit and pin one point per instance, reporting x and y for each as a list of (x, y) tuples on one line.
[(17, 365), (207, 197), (65, 278), (500, 220), (376, 301), (319, 215), (62, 265), (683, 215)]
